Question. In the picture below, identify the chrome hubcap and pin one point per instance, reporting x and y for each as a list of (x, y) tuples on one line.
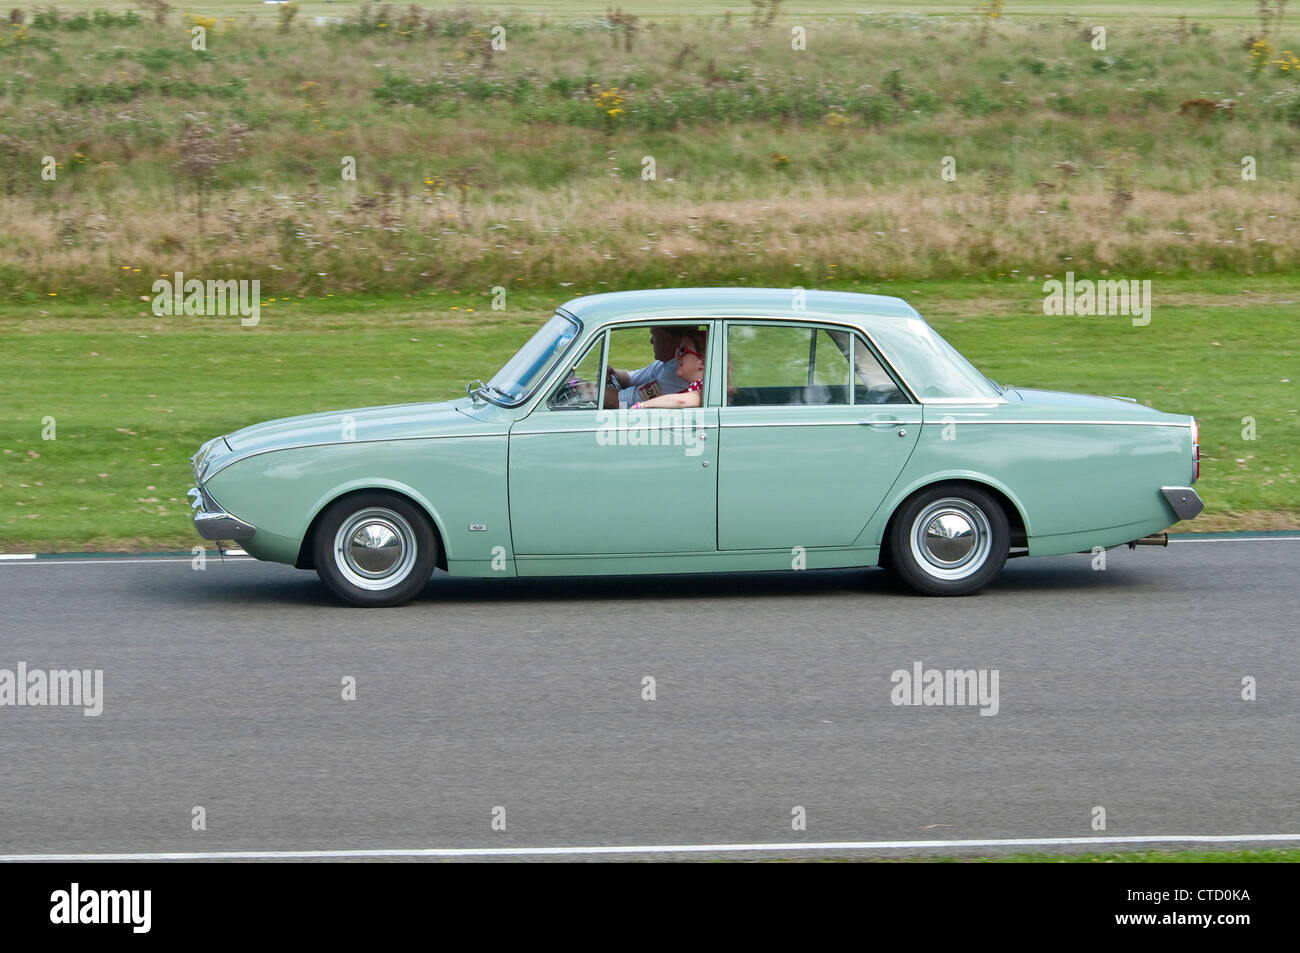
[(375, 548), (951, 538)]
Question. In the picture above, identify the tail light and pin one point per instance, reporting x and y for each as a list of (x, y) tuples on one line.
[(1196, 451)]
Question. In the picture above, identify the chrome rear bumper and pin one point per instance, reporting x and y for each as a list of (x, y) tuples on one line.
[(212, 522), (1184, 501)]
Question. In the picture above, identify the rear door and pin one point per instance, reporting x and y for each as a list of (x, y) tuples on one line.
[(812, 434)]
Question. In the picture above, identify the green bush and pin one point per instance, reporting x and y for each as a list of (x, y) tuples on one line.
[(976, 102)]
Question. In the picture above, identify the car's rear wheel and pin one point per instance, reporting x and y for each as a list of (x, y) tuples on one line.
[(949, 540), (374, 549)]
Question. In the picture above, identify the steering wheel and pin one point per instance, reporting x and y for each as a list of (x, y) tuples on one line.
[(574, 393)]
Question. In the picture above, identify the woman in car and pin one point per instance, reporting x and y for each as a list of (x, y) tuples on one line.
[(690, 367)]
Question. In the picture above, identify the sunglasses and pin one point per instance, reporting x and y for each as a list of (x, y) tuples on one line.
[(683, 349)]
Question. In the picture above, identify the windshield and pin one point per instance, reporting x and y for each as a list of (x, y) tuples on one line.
[(534, 360)]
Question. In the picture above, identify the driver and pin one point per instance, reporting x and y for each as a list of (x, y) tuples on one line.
[(656, 378)]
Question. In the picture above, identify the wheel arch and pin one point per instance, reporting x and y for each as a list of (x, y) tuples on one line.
[(1000, 493), (305, 560)]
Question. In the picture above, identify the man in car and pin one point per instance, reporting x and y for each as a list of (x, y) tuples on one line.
[(655, 379)]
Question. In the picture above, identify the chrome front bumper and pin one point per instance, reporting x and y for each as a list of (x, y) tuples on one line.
[(212, 522)]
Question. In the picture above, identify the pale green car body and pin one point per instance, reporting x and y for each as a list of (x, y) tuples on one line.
[(530, 490)]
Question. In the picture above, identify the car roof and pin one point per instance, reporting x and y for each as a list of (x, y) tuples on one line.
[(668, 303)]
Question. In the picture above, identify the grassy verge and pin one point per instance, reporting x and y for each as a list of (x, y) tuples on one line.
[(398, 150), (132, 395)]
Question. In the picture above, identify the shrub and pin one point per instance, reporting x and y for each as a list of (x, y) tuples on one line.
[(976, 103)]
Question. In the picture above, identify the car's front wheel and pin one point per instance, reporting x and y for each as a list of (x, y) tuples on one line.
[(949, 540), (374, 549)]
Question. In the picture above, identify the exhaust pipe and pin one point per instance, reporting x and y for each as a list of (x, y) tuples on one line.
[(1155, 539)]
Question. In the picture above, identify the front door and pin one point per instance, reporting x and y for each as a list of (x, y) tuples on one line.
[(592, 480)]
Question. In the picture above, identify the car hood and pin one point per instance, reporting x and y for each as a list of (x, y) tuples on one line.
[(1055, 398), (394, 422)]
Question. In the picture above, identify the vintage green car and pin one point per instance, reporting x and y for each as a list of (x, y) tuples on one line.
[(824, 429)]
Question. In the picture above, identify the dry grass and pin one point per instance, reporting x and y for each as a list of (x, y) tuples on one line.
[(772, 167), (610, 233)]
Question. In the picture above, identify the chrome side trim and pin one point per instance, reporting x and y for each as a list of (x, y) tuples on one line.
[(247, 454), (969, 401), (854, 423), (642, 429), (827, 423), (1184, 501), (541, 557), (1090, 423)]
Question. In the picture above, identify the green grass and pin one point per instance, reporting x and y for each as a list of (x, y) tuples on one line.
[(522, 168), (134, 395)]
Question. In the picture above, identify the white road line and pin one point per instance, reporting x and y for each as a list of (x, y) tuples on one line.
[(116, 561), (1251, 539), (659, 848)]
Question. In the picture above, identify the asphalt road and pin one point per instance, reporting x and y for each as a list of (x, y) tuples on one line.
[(222, 688)]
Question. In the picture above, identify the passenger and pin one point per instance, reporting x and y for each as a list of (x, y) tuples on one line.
[(690, 367), (656, 378)]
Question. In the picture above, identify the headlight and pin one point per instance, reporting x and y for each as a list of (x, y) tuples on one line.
[(200, 461)]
